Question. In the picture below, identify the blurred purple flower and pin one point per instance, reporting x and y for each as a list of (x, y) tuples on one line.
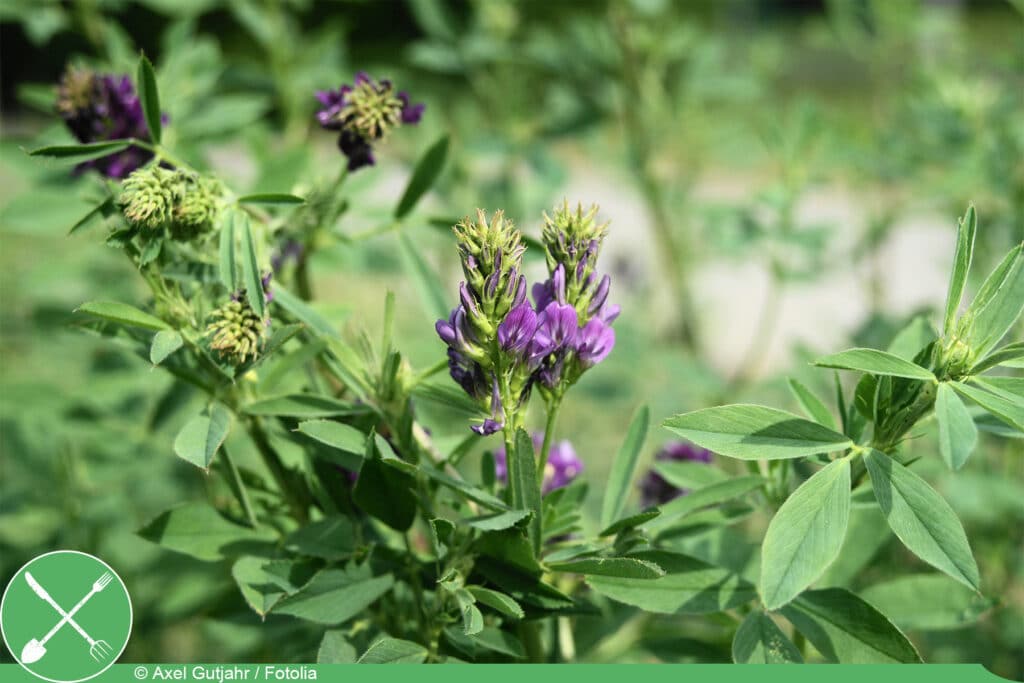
[(288, 251), (363, 113), (97, 108), (654, 489), (562, 468)]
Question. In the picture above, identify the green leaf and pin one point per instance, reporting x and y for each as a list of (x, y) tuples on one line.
[(1010, 388), (427, 283), (303, 406), (393, 651), (927, 602), (260, 594), (759, 640), (1010, 412), (199, 439), (630, 522), (105, 209), (332, 538), (702, 497), (303, 312), (271, 198), (122, 314), (968, 226), (847, 630), (752, 432), (689, 586), (198, 530), (525, 489), (1002, 356), (386, 493), (922, 519), (336, 649), (912, 339), (997, 306), (83, 152), (957, 432), (228, 267), (812, 405), (449, 395), (689, 475), (339, 436), (806, 534), (498, 520), (472, 619), (428, 168), (150, 98), (165, 342), (499, 602), (624, 468), (621, 567), (471, 492), (874, 362), (251, 278), (335, 595)]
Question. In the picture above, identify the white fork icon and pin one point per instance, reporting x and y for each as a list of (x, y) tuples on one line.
[(36, 648)]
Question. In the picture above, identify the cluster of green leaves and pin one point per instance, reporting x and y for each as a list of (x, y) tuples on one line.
[(922, 373)]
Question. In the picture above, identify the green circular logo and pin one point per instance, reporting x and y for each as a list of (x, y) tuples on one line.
[(66, 616)]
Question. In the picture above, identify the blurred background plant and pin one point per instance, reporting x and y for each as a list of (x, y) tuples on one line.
[(781, 178)]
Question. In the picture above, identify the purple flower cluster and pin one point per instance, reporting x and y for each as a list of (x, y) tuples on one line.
[(654, 490), (364, 113), (497, 337), (562, 468), (96, 108)]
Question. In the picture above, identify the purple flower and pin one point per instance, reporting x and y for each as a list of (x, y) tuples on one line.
[(654, 489), (96, 108), (594, 342), (517, 329), (289, 251), (363, 113), (562, 468), (268, 295), (556, 327)]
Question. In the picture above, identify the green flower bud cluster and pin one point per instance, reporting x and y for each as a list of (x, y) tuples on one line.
[(148, 197), (185, 204), (236, 332), (573, 239), (200, 200), (372, 108), (492, 257)]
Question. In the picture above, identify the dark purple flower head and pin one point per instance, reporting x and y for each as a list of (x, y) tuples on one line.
[(96, 108), (562, 468), (654, 489), (594, 342), (268, 295), (363, 113), (517, 329)]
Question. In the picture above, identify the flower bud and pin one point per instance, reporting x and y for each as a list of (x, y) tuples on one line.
[(148, 198), (236, 332), (199, 203)]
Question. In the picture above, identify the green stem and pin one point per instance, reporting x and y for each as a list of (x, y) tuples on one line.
[(549, 434), (238, 486)]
